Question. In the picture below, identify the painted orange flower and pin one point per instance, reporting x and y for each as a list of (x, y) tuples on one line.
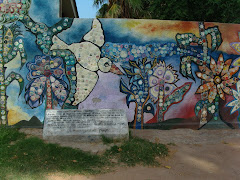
[(217, 79)]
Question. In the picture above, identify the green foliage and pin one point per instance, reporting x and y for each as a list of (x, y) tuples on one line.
[(8, 135), (138, 151), (99, 2), (114, 11), (32, 158), (122, 8), (102, 12), (186, 10), (195, 10)]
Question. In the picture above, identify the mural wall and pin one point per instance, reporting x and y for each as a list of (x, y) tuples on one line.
[(165, 74)]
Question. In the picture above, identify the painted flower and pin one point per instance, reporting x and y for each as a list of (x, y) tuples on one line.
[(236, 47), (161, 81), (218, 79), (12, 10), (235, 104), (46, 77)]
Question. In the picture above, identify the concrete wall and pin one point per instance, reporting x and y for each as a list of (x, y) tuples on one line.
[(165, 74)]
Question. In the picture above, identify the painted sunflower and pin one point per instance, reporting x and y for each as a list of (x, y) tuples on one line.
[(218, 79)]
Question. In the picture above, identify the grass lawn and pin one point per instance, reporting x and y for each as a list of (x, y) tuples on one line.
[(31, 158)]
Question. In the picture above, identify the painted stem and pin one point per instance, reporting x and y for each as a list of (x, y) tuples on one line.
[(205, 56), (216, 115), (139, 117), (238, 118), (49, 95), (160, 115), (3, 116)]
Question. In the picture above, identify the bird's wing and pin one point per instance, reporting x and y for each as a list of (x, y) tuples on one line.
[(95, 35), (86, 81)]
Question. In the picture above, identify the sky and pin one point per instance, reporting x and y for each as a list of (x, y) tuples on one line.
[(86, 9)]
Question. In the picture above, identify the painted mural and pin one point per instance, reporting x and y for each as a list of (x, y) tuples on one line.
[(165, 74)]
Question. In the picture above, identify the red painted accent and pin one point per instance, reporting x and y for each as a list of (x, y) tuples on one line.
[(153, 120), (190, 113)]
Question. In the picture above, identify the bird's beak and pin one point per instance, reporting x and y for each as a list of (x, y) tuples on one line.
[(115, 70)]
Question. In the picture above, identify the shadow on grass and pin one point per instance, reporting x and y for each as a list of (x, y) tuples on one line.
[(32, 158)]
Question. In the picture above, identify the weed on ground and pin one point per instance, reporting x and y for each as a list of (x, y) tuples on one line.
[(138, 151)]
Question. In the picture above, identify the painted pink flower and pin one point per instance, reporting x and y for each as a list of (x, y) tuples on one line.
[(162, 81)]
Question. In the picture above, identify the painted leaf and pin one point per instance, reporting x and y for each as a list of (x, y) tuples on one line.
[(215, 37), (124, 89), (132, 63), (144, 61), (177, 95), (135, 79), (198, 107), (129, 72), (59, 89), (15, 76), (236, 47), (8, 39), (184, 70), (154, 63), (35, 92), (210, 106)]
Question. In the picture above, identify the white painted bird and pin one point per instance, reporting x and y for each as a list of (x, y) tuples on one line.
[(89, 61)]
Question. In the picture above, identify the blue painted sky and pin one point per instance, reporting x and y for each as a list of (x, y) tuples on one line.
[(86, 9)]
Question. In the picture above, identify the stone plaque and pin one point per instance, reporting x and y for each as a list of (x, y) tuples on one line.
[(85, 124)]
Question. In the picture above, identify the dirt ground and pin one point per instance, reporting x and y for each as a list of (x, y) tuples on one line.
[(194, 154)]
